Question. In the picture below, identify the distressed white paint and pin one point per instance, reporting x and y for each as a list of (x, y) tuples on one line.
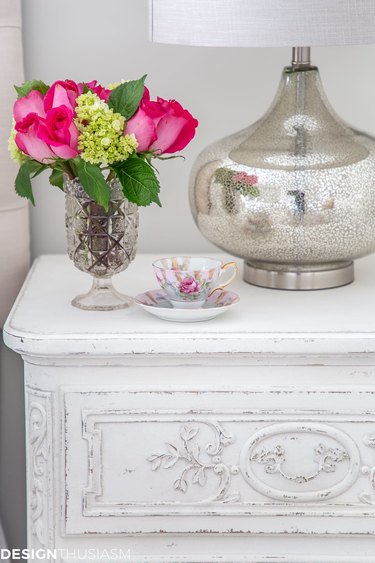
[(141, 432), (339, 321)]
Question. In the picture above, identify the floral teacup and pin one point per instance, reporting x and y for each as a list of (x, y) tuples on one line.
[(188, 281)]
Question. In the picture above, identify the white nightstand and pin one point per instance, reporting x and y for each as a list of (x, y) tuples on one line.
[(156, 437)]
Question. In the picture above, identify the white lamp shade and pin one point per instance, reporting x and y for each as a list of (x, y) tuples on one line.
[(263, 23)]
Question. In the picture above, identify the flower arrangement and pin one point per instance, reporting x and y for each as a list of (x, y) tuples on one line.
[(242, 182), (236, 183), (95, 134)]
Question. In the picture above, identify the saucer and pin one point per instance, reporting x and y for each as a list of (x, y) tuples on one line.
[(156, 303)]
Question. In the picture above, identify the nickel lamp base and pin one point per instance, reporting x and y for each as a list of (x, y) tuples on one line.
[(305, 280)]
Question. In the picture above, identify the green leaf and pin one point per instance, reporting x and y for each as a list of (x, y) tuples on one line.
[(23, 182), (31, 85), (252, 191), (92, 180), (125, 98), (138, 180), (223, 175), (57, 179), (74, 164), (36, 168), (87, 89)]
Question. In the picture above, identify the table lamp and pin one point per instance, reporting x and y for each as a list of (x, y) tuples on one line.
[(293, 194)]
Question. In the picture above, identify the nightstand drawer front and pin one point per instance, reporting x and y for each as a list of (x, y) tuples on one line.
[(141, 461)]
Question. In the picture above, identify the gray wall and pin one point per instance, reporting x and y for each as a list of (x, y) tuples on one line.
[(226, 89)]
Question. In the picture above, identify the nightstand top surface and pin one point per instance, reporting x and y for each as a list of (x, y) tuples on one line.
[(43, 322)]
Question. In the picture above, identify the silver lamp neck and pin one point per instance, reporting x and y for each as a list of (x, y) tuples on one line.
[(301, 57)]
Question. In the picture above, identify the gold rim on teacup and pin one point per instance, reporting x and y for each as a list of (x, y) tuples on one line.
[(222, 286)]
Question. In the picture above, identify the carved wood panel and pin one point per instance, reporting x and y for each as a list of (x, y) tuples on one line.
[(40, 470), (202, 459)]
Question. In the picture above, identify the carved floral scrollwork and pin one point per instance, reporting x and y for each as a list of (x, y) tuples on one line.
[(325, 458), (37, 440), (197, 469), (365, 496)]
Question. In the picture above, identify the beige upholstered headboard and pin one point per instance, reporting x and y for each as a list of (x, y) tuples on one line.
[(14, 223)]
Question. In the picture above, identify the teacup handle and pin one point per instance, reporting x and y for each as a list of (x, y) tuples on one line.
[(225, 284)]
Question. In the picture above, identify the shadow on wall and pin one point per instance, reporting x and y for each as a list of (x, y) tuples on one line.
[(12, 449)]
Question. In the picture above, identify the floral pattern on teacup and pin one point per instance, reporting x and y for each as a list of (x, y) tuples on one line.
[(187, 279), (189, 286)]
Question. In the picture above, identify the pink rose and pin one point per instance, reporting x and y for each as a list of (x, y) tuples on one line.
[(99, 90), (142, 126), (27, 139), (44, 125), (28, 112), (189, 285), (245, 178), (58, 129), (175, 129), (161, 126), (62, 93), (143, 123), (32, 103), (59, 132)]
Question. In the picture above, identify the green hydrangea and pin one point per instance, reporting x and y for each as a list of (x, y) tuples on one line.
[(101, 139), (114, 85), (15, 153)]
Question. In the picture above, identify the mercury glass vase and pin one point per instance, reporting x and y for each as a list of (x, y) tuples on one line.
[(294, 194), (100, 243)]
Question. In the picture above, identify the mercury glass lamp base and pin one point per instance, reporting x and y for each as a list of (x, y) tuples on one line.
[(293, 194), (294, 280), (102, 297)]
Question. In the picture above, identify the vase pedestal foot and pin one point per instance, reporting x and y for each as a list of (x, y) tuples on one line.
[(300, 281), (102, 297)]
